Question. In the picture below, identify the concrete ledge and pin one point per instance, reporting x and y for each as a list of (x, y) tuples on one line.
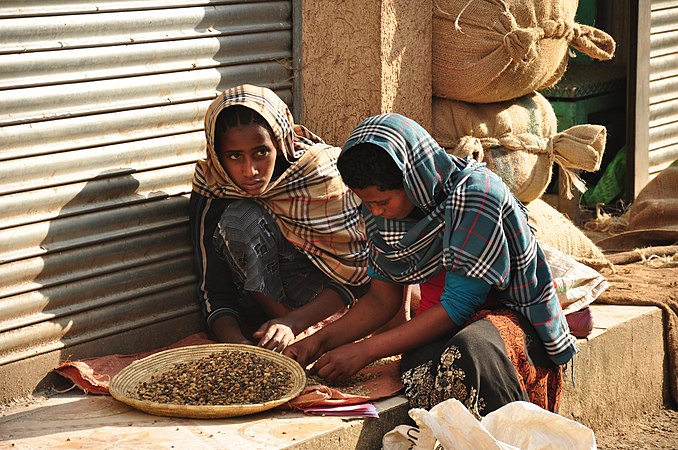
[(75, 420), (620, 372), (362, 434)]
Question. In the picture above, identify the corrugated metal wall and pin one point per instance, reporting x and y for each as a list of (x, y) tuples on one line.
[(663, 91), (101, 109)]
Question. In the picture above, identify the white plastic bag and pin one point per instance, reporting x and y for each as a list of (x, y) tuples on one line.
[(577, 285), (518, 425)]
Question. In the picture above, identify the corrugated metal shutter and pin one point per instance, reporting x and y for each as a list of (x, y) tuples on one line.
[(101, 110), (663, 93)]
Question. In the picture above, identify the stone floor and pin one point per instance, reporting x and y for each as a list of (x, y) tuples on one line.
[(618, 372), (75, 420)]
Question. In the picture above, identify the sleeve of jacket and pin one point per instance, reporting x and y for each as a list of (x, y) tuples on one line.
[(216, 291)]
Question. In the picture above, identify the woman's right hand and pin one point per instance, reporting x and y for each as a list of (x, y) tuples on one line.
[(274, 335), (306, 350)]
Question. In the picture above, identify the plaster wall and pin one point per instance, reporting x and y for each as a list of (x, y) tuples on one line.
[(362, 58)]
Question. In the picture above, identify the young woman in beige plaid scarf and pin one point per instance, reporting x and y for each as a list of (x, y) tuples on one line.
[(279, 240)]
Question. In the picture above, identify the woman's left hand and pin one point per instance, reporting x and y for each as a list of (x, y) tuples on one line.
[(274, 335), (342, 362)]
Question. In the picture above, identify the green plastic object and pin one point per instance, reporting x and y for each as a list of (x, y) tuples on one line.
[(611, 185)]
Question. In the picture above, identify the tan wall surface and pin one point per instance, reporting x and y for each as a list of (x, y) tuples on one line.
[(361, 58), (406, 59)]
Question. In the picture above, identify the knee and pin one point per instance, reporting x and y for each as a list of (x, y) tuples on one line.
[(243, 218), (474, 340)]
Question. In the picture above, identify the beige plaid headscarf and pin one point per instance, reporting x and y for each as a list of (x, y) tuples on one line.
[(310, 203)]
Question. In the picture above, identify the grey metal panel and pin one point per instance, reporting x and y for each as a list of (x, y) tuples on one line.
[(661, 158), (20, 8), (664, 112), (52, 136), (94, 97), (663, 135), (47, 137), (88, 164), (61, 66), (660, 4), (69, 232), (663, 89), (95, 259), (81, 295), (663, 86), (101, 116), (664, 66), (663, 43), (86, 197), (663, 19), (89, 325), (26, 34)]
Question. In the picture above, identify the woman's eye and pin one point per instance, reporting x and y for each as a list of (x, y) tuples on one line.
[(233, 156), (263, 152)]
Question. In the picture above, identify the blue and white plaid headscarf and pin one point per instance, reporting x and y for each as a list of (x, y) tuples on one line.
[(473, 226)]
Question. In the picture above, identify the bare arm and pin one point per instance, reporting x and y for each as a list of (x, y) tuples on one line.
[(348, 359), (372, 310), (427, 327), (324, 305), (278, 333), (227, 329)]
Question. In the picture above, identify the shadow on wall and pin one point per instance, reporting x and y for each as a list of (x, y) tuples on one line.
[(110, 273), (407, 88)]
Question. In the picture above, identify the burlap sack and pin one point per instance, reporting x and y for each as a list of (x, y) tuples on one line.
[(556, 230), (487, 51), (517, 140), (652, 217)]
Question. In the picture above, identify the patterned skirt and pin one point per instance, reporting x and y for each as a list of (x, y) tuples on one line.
[(495, 359)]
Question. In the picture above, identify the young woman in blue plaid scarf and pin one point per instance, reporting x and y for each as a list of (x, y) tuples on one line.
[(489, 329)]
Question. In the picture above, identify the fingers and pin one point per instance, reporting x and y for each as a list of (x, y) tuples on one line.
[(304, 351), (299, 353), (321, 366), (275, 343), (260, 332), (292, 352), (268, 339), (276, 338), (327, 370)]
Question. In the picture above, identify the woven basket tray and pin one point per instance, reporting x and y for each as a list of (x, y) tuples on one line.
[(123, 386)]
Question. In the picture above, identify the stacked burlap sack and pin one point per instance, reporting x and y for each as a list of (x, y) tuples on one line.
[(489, 59), (487, 51)]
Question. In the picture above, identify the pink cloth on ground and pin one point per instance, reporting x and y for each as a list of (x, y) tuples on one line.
[(93, 375)]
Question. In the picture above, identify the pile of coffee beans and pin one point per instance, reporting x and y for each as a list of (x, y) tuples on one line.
[(225, 378)]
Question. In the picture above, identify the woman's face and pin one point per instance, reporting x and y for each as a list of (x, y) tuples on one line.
[(391, 204), (248, 153)]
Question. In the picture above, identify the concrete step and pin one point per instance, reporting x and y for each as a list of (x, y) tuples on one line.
[(618, 375), (621, 370)]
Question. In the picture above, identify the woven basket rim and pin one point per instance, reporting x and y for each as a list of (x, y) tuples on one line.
[(124, 383)]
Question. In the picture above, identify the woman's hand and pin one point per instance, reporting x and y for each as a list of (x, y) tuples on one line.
[(306, 350), (342, 362), (274, 335)]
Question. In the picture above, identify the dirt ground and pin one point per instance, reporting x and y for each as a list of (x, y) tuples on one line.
[(649, 280), (653, 431)]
